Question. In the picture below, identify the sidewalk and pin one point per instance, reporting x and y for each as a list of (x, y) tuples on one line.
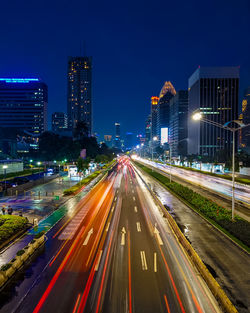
[(67, 205), (41, 200)]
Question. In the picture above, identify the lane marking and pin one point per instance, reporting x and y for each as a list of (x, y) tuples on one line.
[(134, 198), (115, 198), (135, 209), (132, 190), (143, 261), (77, 301), (155, 262), (87, 238), (107, 228), (138, 225), (157, 234), (113, 208), (129, 275), (166, 302), (123, 236), (98, 261)]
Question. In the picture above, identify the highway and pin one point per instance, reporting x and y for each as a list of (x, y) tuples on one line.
[(115, 253), (214, 184)]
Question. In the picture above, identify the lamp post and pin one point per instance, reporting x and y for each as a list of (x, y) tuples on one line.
[(142, 144), (198, 116), (5, 171), (152, 142)]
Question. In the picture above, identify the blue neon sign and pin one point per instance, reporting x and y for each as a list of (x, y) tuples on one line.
[(19, 80)]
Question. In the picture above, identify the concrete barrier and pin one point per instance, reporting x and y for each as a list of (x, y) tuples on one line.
[(216, 289), (20, 259)]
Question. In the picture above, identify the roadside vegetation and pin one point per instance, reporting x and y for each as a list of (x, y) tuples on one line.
[(238, 230), (10, 225)]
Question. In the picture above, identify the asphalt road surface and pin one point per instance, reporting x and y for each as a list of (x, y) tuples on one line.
[(115, 253)]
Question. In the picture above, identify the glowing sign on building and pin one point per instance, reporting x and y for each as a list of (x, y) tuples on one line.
[(154, 100), (19, 80), (164, 135)]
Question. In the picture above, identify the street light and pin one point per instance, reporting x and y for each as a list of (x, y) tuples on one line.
[(198, 116), (5, 170)]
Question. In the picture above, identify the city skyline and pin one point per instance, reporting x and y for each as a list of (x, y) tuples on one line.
[(46, 55)]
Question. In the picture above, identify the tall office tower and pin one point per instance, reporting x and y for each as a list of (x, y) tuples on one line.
[(129, 141), (167, 93), (178, 131), (154, 110), (80, 92), (59, 121), (214, 91), (117, 142), (148, 130), (23, 104), (246, 119)]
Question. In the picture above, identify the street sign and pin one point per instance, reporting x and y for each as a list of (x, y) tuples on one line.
[(56, 197)]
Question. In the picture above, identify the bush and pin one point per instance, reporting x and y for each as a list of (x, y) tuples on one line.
[(10, 225), (20, 252), (39, 235), (239, 228), (5, 267)]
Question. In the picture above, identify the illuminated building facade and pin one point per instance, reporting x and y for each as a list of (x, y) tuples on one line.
[(214, 91), (59, 121), (246, 119), (23, 104), (108, 140), (80, 92), (154, 112), (117, 142), (178, 131), (166, 94), (148, 130)]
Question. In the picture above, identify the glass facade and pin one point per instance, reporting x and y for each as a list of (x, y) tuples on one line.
[(23, 104), (80, 91)]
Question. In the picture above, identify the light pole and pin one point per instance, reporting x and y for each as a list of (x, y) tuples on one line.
[(152, 142), (142, 144), (198, 116), (5, 171)]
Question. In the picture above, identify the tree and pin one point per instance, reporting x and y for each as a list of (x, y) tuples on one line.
[(81, 130)]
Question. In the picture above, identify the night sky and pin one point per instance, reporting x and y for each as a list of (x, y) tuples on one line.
[(136, 46)]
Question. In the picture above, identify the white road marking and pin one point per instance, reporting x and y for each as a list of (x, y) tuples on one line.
[(123, 236), (135, 209), (113, 208), (155, 262), (134, 198), (107, 228), (138, 225), (157, 234), (98, 261), (143, 261), (115, 198), (87, 238), (132, 190)]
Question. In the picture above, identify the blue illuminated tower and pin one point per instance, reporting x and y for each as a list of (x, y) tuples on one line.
[(23, 104)]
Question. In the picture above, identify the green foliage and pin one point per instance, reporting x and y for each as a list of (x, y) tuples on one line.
[(239, 228), (10, 225), (5, 267), (20, 252), (40, 234)]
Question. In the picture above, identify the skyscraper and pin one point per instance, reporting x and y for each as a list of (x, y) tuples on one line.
[(129, 141), (246, 119), (117, 142), (148, 130), (80, 91), (214, 91), (178, 131), (59, 121), (23, 104), (167, 93), (154, 110)]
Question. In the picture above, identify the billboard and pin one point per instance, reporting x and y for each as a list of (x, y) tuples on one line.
[(164, 135)]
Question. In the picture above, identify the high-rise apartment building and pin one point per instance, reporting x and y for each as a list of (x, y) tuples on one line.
[(246, 119), (23, 104), (167, 93), (80, 91), (59, 121), (129, 141), (108, 140), (148, 130), (178, 132), (154, 112), (214, 91)]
